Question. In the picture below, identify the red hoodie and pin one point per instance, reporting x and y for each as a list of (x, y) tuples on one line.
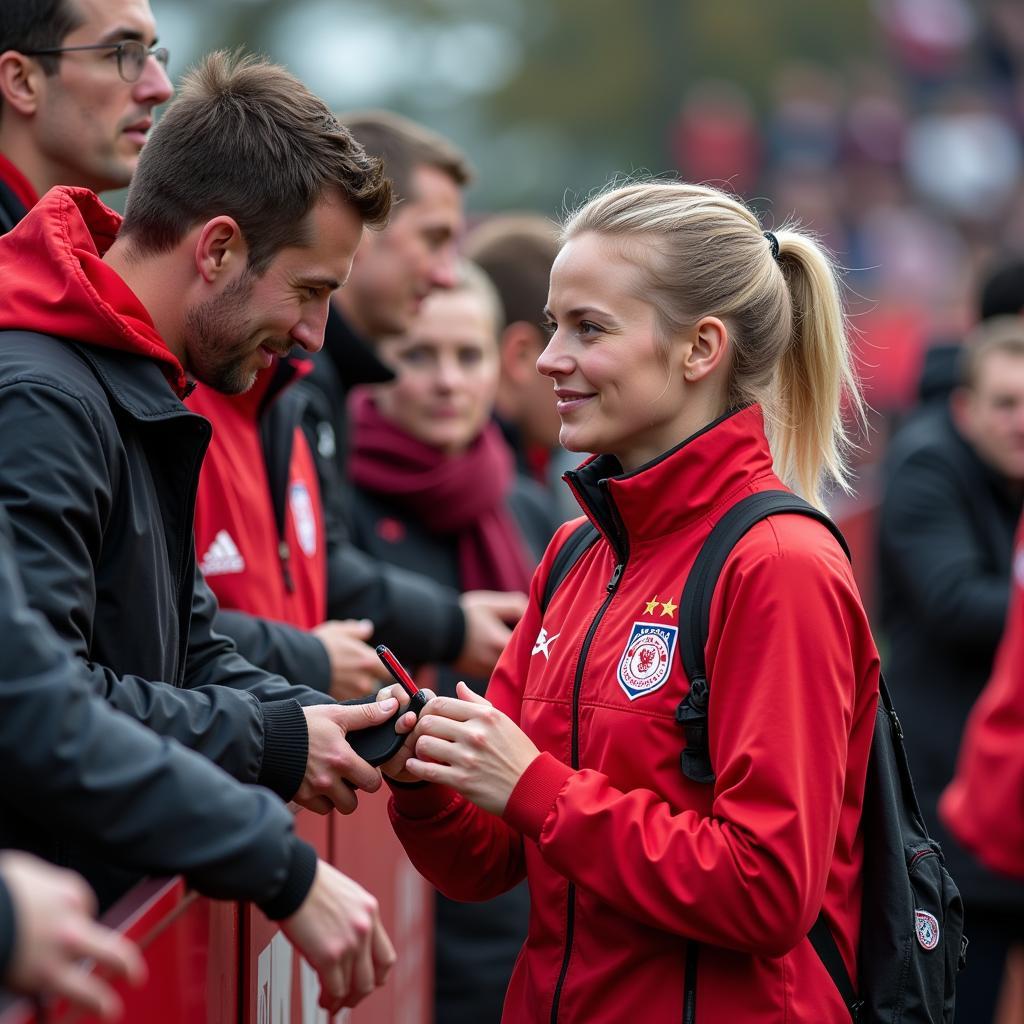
[(984, 805), (628, 860), (237, 539), (69, 291)]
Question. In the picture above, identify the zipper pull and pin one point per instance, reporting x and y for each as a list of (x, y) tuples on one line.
[(284, 553), (616, 576)]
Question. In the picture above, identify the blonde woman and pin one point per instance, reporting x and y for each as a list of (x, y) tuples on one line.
[(703, 359)]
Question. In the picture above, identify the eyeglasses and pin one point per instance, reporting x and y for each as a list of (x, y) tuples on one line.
[(131, 55)]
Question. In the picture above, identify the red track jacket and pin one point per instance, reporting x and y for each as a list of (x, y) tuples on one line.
[(984, 805), (628, 861), (246, 559)]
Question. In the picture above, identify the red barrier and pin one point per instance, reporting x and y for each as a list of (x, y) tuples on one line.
[(219, 962)]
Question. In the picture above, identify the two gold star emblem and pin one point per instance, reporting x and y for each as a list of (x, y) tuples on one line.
[(668, 608)]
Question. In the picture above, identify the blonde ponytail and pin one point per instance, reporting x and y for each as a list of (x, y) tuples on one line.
[(815, 374)]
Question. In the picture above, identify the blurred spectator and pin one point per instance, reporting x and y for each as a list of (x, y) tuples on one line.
[(516, 252), (984, 805), (394, 271), (1002, 294), (804, 126), (261, 543), (954, 489), (965, 157), (437, 491), (715, 136)]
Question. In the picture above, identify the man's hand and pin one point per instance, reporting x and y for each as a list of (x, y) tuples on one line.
[(333, 770), (489, 616), (338, 930), (355, 668), (53, 911)]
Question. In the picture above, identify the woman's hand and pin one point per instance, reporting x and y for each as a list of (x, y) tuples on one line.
[(469, 745)]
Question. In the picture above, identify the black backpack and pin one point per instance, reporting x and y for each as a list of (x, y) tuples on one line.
[(911, 936)]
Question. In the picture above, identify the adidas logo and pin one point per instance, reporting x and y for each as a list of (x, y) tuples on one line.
[(222, 557)]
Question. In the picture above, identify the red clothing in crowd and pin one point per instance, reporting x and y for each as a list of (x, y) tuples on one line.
[(628, 860), (252, 563), (984, 805)]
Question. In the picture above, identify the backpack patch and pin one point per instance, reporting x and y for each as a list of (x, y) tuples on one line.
[(927, 928), (645, 663)]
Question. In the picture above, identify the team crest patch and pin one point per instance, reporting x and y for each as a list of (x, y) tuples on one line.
[(646, 661), (303, 516), (927, 928)]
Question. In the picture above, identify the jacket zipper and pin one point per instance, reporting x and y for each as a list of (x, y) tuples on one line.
[(690, 985), (570, 912), (188, 516)]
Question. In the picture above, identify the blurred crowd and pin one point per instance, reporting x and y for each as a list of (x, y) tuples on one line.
[(909, 167)]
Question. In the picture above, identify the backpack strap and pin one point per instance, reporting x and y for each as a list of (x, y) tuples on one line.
[(821, 938), (695, 612), (568, 555), (692, 713)]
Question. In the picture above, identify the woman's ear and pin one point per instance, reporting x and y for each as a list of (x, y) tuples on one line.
[(709, 345)]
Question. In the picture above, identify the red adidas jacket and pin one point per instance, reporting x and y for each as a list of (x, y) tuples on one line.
[(644, 883), (259, 526), (984, 805)]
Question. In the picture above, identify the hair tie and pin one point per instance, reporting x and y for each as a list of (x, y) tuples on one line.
[(774, 243)]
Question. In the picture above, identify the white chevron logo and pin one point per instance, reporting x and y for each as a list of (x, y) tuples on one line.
[(543, 643), (222, 557)]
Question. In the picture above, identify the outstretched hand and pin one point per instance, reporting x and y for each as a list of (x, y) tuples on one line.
[(471, 746)]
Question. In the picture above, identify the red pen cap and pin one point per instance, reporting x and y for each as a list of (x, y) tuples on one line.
[(394, 666)]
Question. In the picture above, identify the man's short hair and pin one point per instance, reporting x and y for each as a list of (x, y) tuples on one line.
[(404, 146), (470, 278), (1002, 293), (37, 25), (247, 139), (999, 334), (516, 252)]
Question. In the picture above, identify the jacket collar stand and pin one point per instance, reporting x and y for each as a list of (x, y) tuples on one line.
[(685, 483)]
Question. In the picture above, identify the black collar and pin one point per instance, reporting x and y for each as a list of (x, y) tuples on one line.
[(355, 358), (11, 208)]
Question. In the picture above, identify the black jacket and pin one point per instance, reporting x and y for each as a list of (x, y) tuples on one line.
[(11, 208), (99, 475), (8, 931), (86, 785), (414, 548), (947, 522), (410, 612)]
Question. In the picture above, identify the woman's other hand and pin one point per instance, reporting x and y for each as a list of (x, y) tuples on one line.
[(471, 746)]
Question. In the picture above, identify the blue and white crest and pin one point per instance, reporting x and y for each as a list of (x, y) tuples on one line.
[(646, 661)]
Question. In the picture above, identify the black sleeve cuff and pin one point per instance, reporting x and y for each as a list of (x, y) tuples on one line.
[(296, 886), (320, 676), (8, 928), (285, 747), (454, 632)]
